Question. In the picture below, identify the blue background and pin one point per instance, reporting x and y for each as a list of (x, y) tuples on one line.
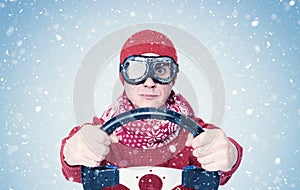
[(255, 44)]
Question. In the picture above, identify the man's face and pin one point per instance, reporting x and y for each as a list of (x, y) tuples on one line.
[(148, 94)]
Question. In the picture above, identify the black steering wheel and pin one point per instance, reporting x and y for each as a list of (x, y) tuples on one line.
[(100, 177)]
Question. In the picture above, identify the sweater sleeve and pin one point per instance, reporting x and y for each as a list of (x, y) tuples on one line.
[(225, 176), (73, 173)]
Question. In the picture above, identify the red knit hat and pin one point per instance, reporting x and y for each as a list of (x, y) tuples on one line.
[(147, 41)]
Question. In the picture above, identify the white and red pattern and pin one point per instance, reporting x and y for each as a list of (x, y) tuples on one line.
[(148, 133)]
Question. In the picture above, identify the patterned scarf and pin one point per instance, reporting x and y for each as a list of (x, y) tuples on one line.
[(148, 133)]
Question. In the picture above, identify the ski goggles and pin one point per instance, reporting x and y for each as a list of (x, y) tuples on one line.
[(161, 69)]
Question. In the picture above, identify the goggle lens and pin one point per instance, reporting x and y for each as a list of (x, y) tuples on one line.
[(162, 70), (136, 69)]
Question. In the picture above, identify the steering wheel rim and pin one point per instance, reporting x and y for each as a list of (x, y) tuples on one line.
[(138, 114), (152, 113)]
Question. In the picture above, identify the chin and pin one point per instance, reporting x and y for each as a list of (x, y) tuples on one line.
[(150, 105), (142, 103)]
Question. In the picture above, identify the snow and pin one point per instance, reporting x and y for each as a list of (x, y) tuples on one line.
[(249, 111), (255, 22), (277, 161), (292, 3), (255, 46)]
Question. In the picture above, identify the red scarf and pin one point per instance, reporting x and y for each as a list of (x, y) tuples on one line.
[(148, 133)]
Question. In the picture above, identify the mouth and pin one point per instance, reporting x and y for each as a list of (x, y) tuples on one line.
[(149, 96)]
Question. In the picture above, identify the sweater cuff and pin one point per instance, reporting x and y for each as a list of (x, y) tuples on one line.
[(74, 170), (226, 175)]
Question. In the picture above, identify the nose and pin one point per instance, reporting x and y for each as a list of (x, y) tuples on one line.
[(149, 83)]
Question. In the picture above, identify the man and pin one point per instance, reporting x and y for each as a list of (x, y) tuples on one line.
[(148, 71)]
